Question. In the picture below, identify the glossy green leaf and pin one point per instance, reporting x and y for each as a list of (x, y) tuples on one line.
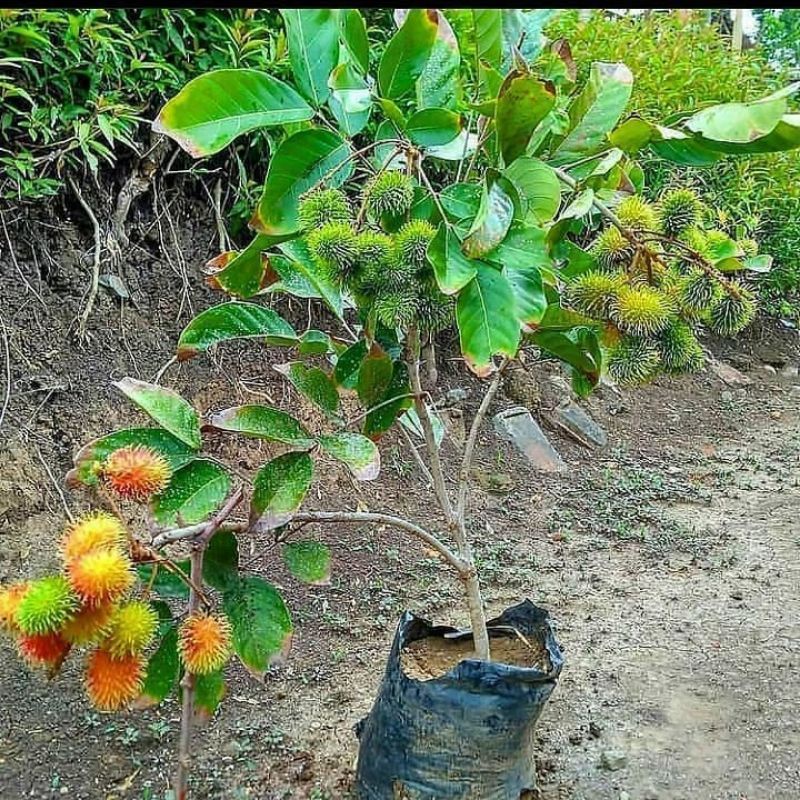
[(345, 373), (523, 102), (167, 582), (385, 413), (354, 35), (562, 345), (209, 690), (308, 561), (350, 100), (313, 383), (299, 164), (679, 148), (374, 376), (491, 222), (411, 421), (760, 263), (538, 186), (215, 108), (632, 135), (596, 110), (305, 266), (163, 670), (247, 272), (193, 493), (463, 146), (439, 85), (166, 407), (433, 126), (262, 422), (488, 23), (486, 322), (461, 200), (221, 560), (523, 30), (314, 342), (406, 54), (356, 451), (784, 136), (230, 321), (313, 38), (279, 490), (580, 206), (262, 627), (453, 270), (92, 454)]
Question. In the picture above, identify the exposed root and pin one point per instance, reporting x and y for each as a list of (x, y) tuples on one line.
[(94, 283)]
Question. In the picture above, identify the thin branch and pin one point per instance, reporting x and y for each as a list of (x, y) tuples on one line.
[(398, 522), (420, 461), (203, 531), (94, 284), (7, 350), (439, 486), (434, 195), (60, 493)]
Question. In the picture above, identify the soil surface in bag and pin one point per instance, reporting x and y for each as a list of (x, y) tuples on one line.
[(446, 726)]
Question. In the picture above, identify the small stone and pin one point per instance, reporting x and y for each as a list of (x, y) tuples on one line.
[(789, 372), (613, 760), (595, 730), (456, 395), (776, 414), (726, 396), (769, 369), (518, 426), (729, 374), (580, 424), (624, 796), (794, 391), (576, 737)]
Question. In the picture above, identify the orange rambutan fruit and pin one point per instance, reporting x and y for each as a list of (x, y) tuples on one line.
[(112, 683), (204, 643), (45, 649), (96, 531), (136, 472), (101, 576), (10, 598), (89, 625)]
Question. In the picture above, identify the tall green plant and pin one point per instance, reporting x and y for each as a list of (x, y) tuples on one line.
[(407, 201)]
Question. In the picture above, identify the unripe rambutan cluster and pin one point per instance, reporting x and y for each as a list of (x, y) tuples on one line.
[(382, 262), (652, 300)]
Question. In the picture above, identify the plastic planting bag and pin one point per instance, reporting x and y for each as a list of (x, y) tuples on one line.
[(467, 732)]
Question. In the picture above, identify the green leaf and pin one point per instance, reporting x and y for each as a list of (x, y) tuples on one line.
[(314, 343), (262, 422), (354, 35), (411, 421), (166, 582), (562, 345), (488, 35), (596, 110), (345, 373), (433, 126), (245, 273), (485, 323), (356, 451), (491, 222), (229, 321), (166, 407), (193, 493), (262, 627), (351, 99), (313, 38), (313, 383), (305, 266), (279, 489), (538, 186), (632, 135), (221, 560), (461, 200), (463, 146), (215, 108), (209, 689), (406, 54), (453, 270), (439, 85), (679, 148), (163, 670), (93, 453), (374, 376), (383, 417), (526, 26), (523, 102), (760, 263), (299, 164), (308, 561)]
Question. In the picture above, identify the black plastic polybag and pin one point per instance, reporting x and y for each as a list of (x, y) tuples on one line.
[(467, 735)]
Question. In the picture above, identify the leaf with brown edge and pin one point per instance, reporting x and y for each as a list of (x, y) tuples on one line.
[(244, 273), (279, 488), (360, 454), (262, 422)]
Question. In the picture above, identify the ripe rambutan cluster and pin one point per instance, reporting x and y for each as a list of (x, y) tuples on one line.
[(654, 299)]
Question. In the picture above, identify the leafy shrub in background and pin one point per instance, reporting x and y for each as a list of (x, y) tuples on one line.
[(681, 64)]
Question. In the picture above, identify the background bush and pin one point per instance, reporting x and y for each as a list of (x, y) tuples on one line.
[(680, 64)]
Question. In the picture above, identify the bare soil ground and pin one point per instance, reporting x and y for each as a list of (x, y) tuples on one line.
[(670, 562)]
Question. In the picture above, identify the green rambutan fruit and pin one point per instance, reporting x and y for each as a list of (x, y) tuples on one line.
[(641, 310), (381, 268), (732, 313), (636, 213), (695, 238), (699, 291), (592, 293), (611, 249), (436, 311), (320, 206), (749, 247), (397, 309), (679, 209), (678, 347), (412, 241), (335, 247), (390, 192), (632, 360), (47, 605)]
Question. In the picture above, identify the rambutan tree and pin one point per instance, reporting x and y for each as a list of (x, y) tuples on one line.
[(406, 195)]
